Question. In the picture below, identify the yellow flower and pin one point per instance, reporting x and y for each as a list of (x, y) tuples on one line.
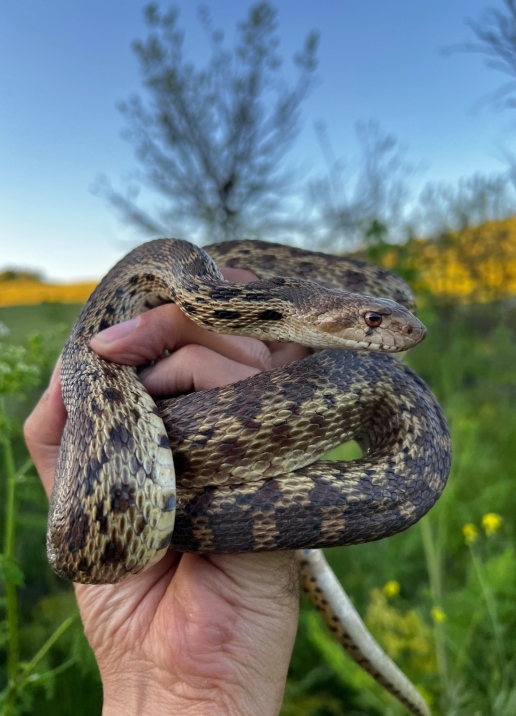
[(470, 533), (491, 522), (438, 615), (391, 589)]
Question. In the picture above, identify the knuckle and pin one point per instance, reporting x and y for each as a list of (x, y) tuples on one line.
[(194, 353), (262, 356), (154, 332), (29, 430), (156, 318)]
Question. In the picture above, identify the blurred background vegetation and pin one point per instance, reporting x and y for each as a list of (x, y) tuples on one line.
[(210, 142)]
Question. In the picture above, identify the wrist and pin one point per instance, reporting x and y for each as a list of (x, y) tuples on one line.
[(146, 697), (219, 641)]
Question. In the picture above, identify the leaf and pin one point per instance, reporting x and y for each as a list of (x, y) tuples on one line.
[(10, 571)]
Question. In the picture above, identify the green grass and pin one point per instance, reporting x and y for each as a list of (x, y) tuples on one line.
[(465, 664), (46, 318)]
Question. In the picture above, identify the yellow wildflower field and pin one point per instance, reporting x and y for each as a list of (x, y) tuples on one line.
[(31, 292)]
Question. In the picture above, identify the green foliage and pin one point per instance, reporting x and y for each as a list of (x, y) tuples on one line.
[(32, 663), (20, 366)]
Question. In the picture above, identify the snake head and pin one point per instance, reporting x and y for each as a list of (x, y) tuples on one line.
[(365, 323)]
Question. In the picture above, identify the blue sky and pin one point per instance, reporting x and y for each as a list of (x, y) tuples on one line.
[(65, 65)]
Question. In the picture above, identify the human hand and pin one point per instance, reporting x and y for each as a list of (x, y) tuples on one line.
[(192, 634)]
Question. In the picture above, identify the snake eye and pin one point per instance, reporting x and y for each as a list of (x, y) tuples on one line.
[(373, 319)]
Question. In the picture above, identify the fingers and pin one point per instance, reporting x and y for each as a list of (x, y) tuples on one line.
[(167, 328), (147, 336), (43, 429), (285, 353), (193, 367), (236, 275)]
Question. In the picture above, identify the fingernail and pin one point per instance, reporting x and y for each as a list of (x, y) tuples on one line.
[(120, 330)]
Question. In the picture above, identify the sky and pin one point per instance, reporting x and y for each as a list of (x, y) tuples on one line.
[(65, 65)]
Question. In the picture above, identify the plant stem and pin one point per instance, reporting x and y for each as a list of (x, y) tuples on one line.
[(433, 566), (16, 686), (11, 600), (21, 471), (29, 668), (9, 544), (491, 610)]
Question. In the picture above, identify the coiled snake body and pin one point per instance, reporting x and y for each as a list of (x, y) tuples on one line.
[(244, 453)]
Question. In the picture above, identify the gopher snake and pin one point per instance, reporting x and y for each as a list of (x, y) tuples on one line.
[(113, 506)]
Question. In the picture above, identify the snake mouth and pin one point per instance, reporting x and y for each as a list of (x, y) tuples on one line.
[(378, 347), (385, 349)]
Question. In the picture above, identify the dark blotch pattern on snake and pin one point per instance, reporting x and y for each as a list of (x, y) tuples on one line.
[(374, 400), (244, 454)]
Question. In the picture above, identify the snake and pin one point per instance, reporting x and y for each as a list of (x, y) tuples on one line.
[(241, 468)]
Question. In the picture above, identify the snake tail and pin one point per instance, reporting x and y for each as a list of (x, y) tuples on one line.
[(325, 592)]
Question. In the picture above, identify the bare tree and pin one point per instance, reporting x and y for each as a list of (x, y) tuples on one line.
[(495, 34), (369, 202), (357, 205), (447, 207), (211, 141)]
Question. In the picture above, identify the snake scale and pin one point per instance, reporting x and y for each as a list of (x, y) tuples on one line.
[(247, 456)]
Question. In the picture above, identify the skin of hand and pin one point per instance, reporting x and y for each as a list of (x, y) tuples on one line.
[(192, 634)]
